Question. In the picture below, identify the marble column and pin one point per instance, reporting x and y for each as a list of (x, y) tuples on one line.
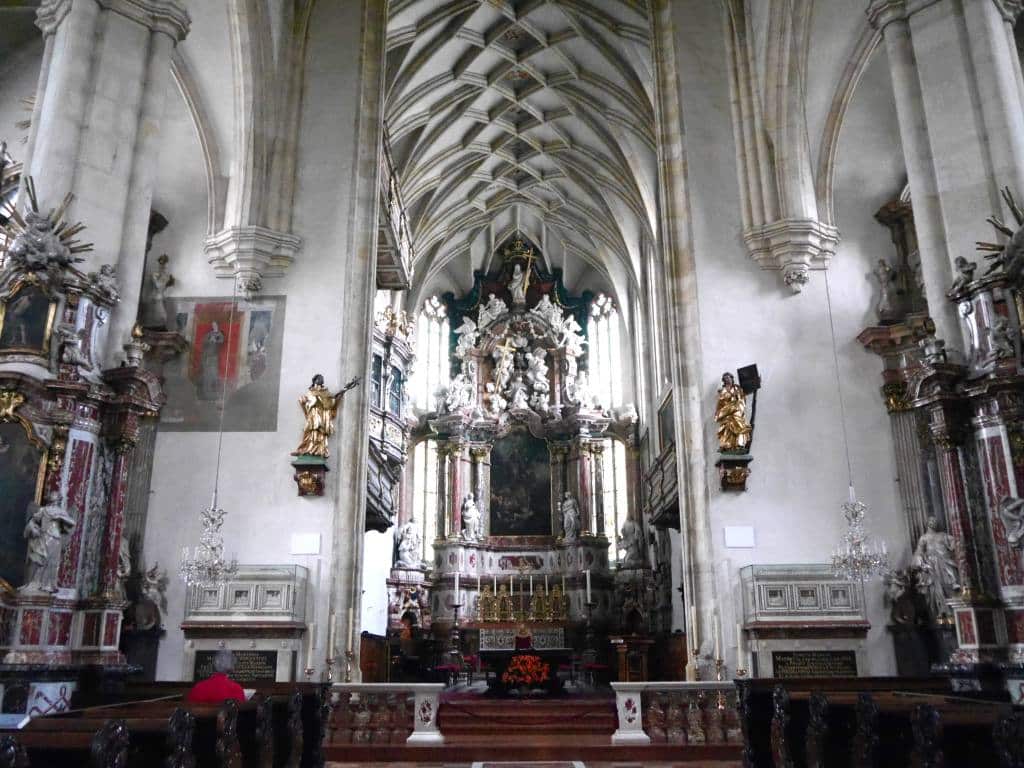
[(597, 457), (481, 455), (559, 454), (956, 76), (100, 102), (443, 491), (111, 544)]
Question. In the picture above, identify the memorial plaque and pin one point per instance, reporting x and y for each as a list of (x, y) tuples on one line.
[(789, 664), (250, 666)]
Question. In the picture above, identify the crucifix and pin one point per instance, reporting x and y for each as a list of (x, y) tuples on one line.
[(530, 257)]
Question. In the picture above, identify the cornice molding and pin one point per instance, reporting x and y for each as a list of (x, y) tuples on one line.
[(250, 254), (793, 246)]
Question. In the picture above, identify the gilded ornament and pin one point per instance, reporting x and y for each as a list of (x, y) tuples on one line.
[(895, 395), (320, 408), (10, 401), (734, 431)]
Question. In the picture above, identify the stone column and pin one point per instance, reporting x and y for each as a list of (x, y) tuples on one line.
[(111, 545), (956, 75), (481, 455), (559, 453), (443, 491), (99, 108), (597, 454)]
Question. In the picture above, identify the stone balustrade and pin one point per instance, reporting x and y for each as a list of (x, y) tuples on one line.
[(384, 713), (677, 713)]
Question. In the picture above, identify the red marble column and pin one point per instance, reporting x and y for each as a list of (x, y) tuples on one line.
[(115, 523), (998, 481), (79, 473)]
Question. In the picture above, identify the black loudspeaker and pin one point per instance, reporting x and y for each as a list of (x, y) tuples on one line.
[(750, 380)]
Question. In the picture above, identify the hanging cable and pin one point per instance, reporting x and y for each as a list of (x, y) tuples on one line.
[(224, 391), (839, 385)]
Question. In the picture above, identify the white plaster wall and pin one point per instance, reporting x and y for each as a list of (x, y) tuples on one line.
[(747, 315), (378, 549), (19, 75), (256, 477)]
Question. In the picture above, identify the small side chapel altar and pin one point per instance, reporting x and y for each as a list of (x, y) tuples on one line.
[(520, 437)]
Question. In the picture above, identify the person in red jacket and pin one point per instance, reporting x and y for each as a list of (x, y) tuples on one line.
[(218, 687)]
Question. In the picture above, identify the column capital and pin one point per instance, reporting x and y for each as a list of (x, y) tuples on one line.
[(167, 16), (793, 246), (250, 254)]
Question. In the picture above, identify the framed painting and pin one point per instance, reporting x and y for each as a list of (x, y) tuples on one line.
[(520, 486), (26, 320), (21, 480), (234, 358)]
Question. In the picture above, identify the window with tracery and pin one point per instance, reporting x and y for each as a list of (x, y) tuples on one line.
[(424, 500), (614, 485), (605, 353), (432, 361)]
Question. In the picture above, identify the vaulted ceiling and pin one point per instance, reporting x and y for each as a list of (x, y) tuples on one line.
[(529, 115)]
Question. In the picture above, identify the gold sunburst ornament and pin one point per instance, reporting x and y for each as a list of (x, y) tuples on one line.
[(1009, 256)]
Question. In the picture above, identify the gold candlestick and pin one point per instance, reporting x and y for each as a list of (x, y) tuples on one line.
[(349, 658), (329, 663)]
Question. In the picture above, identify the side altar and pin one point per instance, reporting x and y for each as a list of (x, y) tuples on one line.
[(522, 533)]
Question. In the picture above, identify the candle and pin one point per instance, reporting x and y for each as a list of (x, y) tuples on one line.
[(588, 585), (351, 628), (331, 627), (310, 632), (718, 636), (563, 583), (456, 587), (495, 585), (478, 582), (741, 646), (694, 642), (531, 585), (545, 583), (512, 585)]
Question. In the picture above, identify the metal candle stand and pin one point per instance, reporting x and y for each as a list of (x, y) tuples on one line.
[(454, 638), (589, 637)]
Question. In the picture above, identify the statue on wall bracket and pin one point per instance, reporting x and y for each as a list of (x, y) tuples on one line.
[(320, 408), (735, 432)]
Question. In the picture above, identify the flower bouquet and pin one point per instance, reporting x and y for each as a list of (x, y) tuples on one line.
[(525, 672)]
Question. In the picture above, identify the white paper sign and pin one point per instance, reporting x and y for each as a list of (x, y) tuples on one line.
[(739, 536), (305, 544)]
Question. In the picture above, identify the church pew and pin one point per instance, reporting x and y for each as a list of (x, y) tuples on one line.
[(104, 747)]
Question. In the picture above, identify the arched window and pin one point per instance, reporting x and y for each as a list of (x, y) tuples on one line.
[(432, 353), (614, 485), (424, 494), (605, 359)]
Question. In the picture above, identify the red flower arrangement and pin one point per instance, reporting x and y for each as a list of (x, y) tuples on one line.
[(526, 670)]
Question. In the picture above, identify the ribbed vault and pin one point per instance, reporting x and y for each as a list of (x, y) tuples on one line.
[(528, 115)]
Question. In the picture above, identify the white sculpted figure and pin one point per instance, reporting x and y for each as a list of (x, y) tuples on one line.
[(537, 370), (570, 517), (630, 542), (491, 311), (504, 360), (470, 519), (462, 390), (934, 560), (71, 339), (549, 312), (1011, 510), (518, 284), (409, 545), (468, 337), (519, 394), (106, 281), (496, 404), (571, 336), (45, 532)]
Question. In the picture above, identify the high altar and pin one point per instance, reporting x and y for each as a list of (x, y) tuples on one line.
[(521, 526)]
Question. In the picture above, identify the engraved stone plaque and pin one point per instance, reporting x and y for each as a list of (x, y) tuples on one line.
[(788, 664), (250, 666)]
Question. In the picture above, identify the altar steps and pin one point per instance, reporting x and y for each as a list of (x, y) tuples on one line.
[(518, 719)]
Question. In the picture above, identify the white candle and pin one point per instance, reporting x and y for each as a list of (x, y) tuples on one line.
[(495, 585), (310, 632), (351, 628), (694, 642), (718, 636), (512, 585), (531, 585), (456, 587), (331, 627), (588, 585), (741, 646), (545, 583)]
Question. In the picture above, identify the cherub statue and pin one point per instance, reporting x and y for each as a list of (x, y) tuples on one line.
[(45, 531), (496, 404), (468, 335), (106, 282), (320, 408), (965, 273), (492, 310), (71, 340), (999, 337)]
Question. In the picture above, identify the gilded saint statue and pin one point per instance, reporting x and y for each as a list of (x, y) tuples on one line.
[(734, 430), (320, 408)]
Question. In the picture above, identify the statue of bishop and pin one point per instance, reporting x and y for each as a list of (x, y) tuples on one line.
[(320, 408)]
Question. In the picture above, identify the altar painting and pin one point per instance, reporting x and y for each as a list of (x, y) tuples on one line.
[(26, 321), (520, 486), (235, 355), (20, 466)]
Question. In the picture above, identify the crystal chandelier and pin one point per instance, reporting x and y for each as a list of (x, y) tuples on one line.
[(206, 567), (858, 556)]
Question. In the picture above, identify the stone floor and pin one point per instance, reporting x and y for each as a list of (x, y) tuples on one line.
[(547, 764)]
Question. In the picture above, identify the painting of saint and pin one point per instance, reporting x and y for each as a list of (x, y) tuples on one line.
[(20, 463), (520, 486), (26, 319), (233, 363)]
